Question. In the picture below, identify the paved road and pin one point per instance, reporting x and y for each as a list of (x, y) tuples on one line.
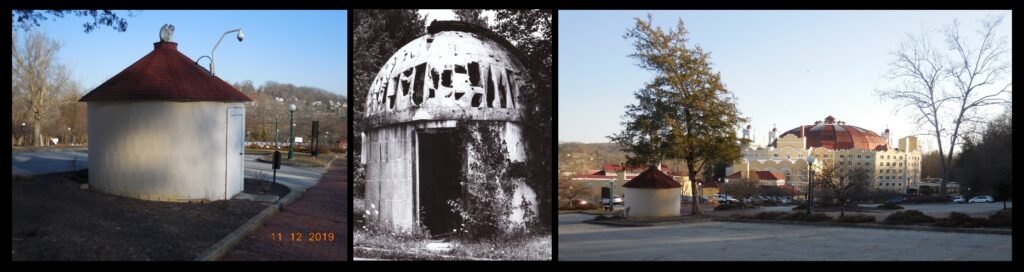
[(42, 162), (728, 241), (321, 210)]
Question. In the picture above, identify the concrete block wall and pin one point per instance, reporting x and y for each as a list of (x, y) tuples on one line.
[(389, 175)]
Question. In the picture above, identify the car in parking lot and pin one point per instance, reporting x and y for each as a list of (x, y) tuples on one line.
[(957, 199), (607, 204), (982, 199), (896, 200), (722, 199)]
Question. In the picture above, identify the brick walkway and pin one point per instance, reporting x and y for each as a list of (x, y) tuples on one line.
[(321, 209)]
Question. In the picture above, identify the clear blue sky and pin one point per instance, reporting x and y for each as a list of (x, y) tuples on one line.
[(785, 67), (306, 48)]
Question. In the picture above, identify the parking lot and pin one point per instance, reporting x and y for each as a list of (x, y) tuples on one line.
[(729, 241)]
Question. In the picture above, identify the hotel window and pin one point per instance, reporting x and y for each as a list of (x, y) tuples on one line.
[(776, 155)]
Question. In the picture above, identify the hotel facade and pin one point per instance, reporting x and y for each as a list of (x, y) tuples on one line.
[(894, 166)]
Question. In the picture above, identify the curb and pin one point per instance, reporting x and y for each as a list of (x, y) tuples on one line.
[(872, 226), (645, 224), (229, 242)]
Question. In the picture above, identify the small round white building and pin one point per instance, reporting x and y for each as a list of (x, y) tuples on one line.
[(652, 194), (166, 129)]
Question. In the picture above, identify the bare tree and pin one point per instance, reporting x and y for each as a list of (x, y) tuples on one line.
[(947, 90), (741, 189), (841, 181), (40, 78)]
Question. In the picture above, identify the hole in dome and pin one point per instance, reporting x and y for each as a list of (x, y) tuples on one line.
[(474, 74), (446, 78)]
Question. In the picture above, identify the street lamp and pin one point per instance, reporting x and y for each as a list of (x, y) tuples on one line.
[(23, 140), (328, 138), (277, 134), (810, 182), (66, 139), (291, 129), (213, 66)]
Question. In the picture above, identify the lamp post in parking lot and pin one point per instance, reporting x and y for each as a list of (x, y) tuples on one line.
[(810, 182)]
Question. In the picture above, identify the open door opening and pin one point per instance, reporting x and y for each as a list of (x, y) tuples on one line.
[(441, 156)]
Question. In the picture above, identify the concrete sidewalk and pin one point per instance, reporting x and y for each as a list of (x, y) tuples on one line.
[(321, 211)]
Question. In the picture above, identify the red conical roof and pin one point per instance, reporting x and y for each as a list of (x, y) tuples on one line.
[(652, 178), (165, 75)]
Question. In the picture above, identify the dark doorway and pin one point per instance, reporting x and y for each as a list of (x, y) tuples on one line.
[(441, 155)]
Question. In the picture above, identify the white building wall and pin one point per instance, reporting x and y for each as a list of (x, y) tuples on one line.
[(643, 202), (159, 150)]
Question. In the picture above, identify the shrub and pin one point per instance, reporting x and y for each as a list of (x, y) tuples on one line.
[(890, 206), (960, 220), (802, 206), (726, 207), (766, 216), (856, 218), (1002, 218), (928, 199), (908, 217), (800, 216)]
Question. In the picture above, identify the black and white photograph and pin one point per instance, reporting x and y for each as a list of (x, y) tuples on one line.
[(452, 123)]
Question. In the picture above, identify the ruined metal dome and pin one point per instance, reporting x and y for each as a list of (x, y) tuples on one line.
[(458, 71)]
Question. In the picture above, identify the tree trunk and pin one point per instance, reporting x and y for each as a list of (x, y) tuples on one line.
[(36, 134)]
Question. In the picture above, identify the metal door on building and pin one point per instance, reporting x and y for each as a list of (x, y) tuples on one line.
[(235, 152)]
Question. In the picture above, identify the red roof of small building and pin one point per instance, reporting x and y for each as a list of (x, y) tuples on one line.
[(759, 175), (652, 178), (165, 75)]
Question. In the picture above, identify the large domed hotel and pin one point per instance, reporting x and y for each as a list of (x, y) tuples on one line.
[(895, 166)]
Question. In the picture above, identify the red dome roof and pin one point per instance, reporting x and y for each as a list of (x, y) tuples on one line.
[(832, 135), (166, 75)]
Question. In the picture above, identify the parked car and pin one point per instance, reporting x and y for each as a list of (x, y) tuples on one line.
[(982, 199), (605, 202), (688, 199), (957, 199), (580, 202), (896, 200), (722, 199)]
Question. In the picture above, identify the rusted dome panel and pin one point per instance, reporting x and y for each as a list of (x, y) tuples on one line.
[(448, 75)]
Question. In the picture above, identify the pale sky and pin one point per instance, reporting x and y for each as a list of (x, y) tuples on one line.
[(787, 68), (301, 47)]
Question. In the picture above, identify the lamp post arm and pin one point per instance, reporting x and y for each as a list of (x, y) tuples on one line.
[(213, 66)]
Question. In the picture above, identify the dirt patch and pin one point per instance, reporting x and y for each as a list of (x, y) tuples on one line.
[(53, 219)]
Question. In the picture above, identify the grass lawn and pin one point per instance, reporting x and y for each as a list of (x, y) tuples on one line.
[(302, 159), (409, 247), (374, 244)]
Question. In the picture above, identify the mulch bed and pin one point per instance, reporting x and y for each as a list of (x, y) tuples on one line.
[(256, 187), (52, 219)]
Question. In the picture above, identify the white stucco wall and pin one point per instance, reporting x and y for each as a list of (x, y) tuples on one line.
[(159, 150), (643, 202)]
